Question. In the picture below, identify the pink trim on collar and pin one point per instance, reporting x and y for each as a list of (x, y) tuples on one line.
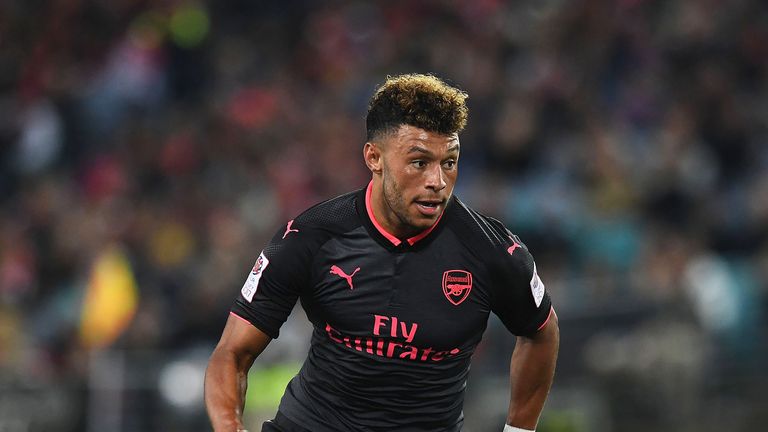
[(395, 241)]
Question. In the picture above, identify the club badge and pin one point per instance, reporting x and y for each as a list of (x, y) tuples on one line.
[(456, 285)]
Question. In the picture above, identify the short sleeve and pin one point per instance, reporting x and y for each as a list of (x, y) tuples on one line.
[(276, 280), (519, 297)]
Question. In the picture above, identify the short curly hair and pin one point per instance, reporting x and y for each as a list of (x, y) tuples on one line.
[(419, 100)]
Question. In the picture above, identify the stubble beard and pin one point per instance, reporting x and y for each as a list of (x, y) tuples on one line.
[(393, 196)]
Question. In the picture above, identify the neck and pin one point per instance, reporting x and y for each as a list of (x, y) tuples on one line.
[(384, 214)]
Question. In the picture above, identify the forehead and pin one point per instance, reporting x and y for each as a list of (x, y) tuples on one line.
[(407, 137)]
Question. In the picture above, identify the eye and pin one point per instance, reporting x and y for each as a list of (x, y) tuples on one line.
[(419, 163), (449, 164)]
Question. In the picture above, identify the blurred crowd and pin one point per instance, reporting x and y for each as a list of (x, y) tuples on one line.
[(626, 142)]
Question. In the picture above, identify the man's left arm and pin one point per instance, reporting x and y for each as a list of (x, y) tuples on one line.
[(521, 301), (531, 373)]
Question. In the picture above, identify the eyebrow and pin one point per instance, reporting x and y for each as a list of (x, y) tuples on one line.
[(418, 149)]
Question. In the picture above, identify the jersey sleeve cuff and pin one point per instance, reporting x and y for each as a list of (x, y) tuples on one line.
[(240, 312), (540, 319), (549, 315)]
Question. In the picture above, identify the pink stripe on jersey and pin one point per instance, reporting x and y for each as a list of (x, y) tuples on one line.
[(395, 241), (241, 318), (551, 310)]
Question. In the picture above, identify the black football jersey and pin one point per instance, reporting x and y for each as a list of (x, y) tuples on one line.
[(395, 322)]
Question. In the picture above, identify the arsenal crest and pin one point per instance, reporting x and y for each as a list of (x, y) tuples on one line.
[(456, 285)]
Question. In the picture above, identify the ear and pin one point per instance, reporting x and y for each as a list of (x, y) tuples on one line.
[(372, 157)]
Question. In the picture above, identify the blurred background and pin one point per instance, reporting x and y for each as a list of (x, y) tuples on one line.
[(149, 150)]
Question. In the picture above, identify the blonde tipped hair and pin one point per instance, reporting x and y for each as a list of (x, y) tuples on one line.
[(419, 100)]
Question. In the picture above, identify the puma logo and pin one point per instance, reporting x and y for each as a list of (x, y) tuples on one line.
[(514, 246), (288, 229), (335, 270)]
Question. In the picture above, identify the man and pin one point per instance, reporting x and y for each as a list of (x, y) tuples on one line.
[(398, 280)]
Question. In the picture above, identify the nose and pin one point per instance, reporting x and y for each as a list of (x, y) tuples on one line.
[(435, 178)]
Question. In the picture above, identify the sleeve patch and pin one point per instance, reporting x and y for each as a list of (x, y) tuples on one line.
[(252, 283), (537, 287)]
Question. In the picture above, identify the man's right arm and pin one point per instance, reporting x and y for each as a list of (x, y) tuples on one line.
[(227, 373)]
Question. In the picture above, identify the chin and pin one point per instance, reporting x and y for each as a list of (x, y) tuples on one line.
[(423, 222), (421, 226)]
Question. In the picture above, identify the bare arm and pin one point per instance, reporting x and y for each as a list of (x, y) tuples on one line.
[(227, 373), (531, 372)]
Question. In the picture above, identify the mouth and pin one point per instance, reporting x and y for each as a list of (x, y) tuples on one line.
[(429, 207)]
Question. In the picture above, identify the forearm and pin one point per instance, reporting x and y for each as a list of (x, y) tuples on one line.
[(225, 386), (531, 373)]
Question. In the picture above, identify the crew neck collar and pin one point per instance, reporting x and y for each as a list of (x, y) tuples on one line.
[(389, 236)]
